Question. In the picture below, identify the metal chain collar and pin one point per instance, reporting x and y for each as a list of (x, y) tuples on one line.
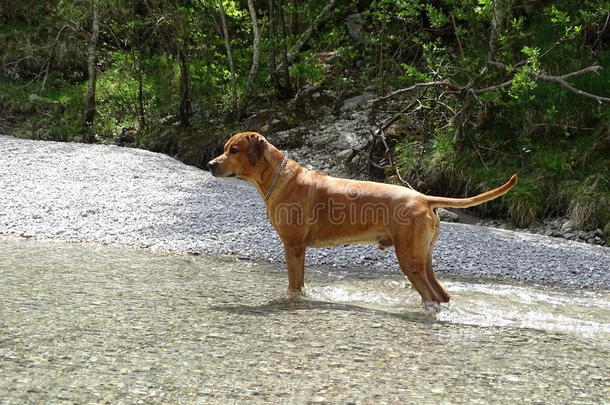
[(276, 177)]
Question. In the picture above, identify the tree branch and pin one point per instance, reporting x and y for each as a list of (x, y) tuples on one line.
[(595, 68), (496, 26), (457, 36), (561, 80), (494, 87), (307, 34), (440, 83)]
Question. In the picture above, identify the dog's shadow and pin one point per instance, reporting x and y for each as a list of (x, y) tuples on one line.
[(286, 305)]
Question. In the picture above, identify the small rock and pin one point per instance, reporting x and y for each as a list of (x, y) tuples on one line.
[(34, 97), (607, 229), (567, 226), (447, 216), (346, 155)]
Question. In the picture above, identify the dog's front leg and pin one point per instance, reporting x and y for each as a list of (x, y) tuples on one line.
[(295, 262)]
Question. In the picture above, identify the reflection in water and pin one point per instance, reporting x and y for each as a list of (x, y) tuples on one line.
[(89, 323)]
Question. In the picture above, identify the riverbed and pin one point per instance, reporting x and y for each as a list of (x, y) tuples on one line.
[(88, 323)]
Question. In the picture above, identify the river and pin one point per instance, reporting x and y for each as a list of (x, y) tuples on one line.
[(89, 323)]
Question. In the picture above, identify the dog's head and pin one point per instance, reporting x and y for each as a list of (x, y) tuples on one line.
[(241, 154)]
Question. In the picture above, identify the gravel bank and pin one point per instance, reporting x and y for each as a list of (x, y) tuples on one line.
[(108, 194)]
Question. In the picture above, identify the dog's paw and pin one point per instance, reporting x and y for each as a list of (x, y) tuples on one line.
[(293, 294), (432, 308)]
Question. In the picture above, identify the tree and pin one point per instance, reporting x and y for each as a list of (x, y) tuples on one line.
[(184, 111), (282, 85), (89, 110), (227, 41), (256, 49)]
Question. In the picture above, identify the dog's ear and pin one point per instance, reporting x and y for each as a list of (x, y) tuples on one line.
[(257, 146)]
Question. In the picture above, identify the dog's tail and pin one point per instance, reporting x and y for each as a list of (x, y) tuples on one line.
[(438, 202)]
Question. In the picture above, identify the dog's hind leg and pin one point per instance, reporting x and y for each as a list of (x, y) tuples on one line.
[(430, 270), (412, 241), (414, 267), (432, 279)]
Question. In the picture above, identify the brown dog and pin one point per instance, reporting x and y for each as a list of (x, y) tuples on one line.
[(310, 209)]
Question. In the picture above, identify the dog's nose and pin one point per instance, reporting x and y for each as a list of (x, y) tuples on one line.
[(212, 165)]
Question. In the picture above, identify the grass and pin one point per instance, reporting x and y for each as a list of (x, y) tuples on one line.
[(14, 97), (590, 202), (524, 203), (49, 113)]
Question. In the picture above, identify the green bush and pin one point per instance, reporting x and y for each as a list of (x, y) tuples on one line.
[(551, 163), (524, 203), (308, 70)]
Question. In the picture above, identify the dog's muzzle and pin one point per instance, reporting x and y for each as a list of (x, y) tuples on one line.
[(213, 168)]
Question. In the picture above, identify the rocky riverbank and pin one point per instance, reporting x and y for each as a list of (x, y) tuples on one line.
[(556, 227), (107, 194)]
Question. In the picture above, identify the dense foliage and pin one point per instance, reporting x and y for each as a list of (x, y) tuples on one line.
[(494, 87)]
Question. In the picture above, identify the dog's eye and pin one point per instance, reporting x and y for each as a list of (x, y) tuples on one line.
[(233, 150)]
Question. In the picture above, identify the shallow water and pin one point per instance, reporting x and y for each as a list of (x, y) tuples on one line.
[(89, 323)]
